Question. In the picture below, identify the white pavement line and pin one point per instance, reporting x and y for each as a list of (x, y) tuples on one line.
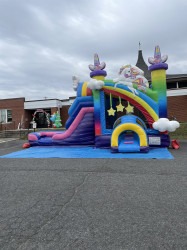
[(10, 139)]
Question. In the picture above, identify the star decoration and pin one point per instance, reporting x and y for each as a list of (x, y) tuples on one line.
[(120, 107), (111, 111), (129, 109)]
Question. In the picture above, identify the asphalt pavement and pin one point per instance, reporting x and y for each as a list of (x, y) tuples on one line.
[(93, 204)]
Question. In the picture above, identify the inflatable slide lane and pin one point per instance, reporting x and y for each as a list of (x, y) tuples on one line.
[(79, 127), (129, 135)]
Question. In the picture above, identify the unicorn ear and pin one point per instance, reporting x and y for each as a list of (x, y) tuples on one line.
[(121, 69), (137, 70)]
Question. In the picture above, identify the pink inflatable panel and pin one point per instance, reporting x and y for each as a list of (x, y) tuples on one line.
[(74, 125)]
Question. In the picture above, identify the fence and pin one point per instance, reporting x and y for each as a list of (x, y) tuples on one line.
[(21, 134)]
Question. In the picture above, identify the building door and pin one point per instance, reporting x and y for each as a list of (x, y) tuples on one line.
[(42, 118)]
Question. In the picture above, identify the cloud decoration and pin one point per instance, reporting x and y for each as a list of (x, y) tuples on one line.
[(95, 84), (163, 124)]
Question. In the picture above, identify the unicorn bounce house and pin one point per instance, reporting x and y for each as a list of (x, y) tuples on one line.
[(127, 114)]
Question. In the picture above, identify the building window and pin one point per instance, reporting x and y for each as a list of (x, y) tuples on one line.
[(176, 85), (9, 115), (5, 115), (171, 85), (182, 84)]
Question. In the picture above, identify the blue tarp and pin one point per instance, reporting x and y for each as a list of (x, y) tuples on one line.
[(85, 152)]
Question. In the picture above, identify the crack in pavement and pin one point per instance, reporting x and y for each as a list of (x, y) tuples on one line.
[(77, 188), (90, 226)]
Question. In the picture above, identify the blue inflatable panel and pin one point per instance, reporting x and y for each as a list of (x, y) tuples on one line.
[(103, 141), (151, 131), (45, 141), (124, 147), (79, 88), (77, 101)]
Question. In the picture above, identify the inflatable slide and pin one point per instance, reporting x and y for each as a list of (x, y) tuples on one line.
[(80, 127)]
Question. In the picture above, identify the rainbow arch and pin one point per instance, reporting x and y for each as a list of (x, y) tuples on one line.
[(149, 111)]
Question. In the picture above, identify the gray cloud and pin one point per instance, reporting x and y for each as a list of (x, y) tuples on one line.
[(43, 43)]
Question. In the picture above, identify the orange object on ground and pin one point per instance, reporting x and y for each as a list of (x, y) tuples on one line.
[(175, 144), (26, 145)]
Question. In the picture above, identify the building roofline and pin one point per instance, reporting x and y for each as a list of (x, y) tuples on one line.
[(172, 76), (13, 98), (52, 99)]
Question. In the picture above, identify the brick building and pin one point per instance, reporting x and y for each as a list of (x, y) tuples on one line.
[(17, 113), (11, 113)]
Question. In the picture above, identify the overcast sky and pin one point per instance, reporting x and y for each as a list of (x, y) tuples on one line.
[(43, 43)]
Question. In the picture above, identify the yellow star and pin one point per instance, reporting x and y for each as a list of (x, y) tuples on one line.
[(120, 107), (129, 109), (111, 111)]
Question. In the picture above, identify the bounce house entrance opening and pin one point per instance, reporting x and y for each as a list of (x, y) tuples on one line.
[(129, 142), (129, 135)]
